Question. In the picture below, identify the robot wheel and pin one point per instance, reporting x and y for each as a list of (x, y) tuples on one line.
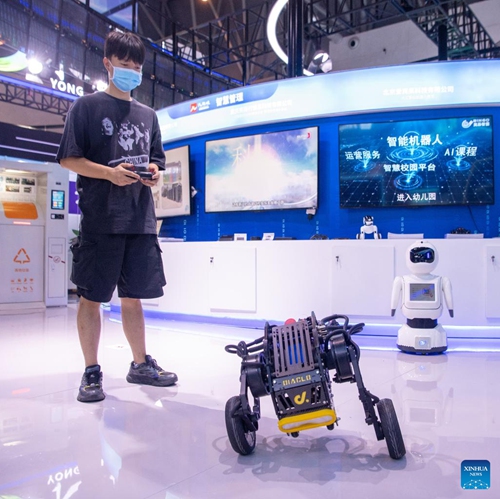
[(391, 429), (241, 438)]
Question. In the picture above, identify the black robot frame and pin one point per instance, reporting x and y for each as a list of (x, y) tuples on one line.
[(292, 363)]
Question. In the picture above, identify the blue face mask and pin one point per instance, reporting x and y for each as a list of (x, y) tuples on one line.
[(126, 79)]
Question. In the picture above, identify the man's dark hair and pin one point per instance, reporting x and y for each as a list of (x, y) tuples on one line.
[(125, 46)]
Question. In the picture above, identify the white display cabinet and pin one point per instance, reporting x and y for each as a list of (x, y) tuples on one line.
[(492, 277), (259, 281), (362, 277), (232, 279), (33, 235)]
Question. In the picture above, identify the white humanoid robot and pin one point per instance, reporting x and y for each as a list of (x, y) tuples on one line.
[(368, 228), (422, 296)]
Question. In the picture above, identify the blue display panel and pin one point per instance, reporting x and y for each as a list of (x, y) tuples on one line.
[(57, 200), (429, 162), (270, 171)]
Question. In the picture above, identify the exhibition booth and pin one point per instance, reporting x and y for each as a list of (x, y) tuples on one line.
[(276, 180)]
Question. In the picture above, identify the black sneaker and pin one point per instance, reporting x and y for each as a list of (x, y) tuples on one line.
[(91, 387), (150, 373)]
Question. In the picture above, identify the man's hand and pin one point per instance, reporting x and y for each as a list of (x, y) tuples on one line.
[(123, 174), (153, 168)]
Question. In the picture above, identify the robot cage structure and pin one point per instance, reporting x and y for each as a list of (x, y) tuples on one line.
[(292, 363)]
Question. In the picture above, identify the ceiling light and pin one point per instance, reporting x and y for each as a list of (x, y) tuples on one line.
[(101, 86), (272, 22), (13, 63), (35, 67)]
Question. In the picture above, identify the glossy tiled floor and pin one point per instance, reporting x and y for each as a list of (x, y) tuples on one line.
[(166, 443)]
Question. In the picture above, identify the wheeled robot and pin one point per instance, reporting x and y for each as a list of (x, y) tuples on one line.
[(422, 297), (291, 363)]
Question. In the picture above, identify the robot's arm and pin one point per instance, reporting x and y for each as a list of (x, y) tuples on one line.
[(376, 233), (448, 296), (397, 286)]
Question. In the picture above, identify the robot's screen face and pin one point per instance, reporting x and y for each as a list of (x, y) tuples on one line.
[(422, 292), (422, 255)]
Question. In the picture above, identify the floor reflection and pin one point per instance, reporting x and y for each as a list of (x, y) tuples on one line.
[(166, 443)]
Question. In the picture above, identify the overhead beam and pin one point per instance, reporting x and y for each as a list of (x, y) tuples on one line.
[(33, 99)]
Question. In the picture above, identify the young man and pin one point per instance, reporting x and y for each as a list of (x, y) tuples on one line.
[(110, 140)]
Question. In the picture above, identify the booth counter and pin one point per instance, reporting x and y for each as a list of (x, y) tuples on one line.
[(251, 282)]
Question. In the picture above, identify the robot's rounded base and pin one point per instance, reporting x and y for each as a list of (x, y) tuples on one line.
[(431, 351), (422, 341)]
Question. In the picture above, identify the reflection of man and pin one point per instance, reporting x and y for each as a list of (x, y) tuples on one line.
[(107, 127)]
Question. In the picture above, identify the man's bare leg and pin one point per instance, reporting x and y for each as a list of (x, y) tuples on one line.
[(134, 328), (89, 329), (146, 371)]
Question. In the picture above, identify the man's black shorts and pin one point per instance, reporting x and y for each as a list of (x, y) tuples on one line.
[(131, 262)]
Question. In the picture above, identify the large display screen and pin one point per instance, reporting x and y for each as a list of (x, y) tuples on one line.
[(270, 171), (172, 194), (445, 161)]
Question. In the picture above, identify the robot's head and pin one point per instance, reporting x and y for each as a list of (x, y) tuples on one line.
[(421, 257), (367, 220)]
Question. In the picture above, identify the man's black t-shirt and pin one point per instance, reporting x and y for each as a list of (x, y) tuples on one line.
[(111, 131)]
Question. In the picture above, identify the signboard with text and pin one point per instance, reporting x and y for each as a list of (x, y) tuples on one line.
[(425, 85)]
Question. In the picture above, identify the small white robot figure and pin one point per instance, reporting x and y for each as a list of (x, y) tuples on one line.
[(368, 228), (422, 300)]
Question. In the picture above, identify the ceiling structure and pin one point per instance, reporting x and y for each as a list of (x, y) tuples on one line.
[(229, 36), (226, 41)]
